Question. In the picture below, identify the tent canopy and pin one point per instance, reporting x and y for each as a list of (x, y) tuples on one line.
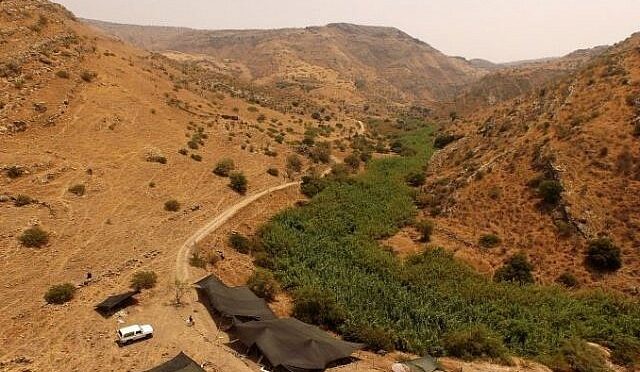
[(424, 364), (234, 302), (294, 345), (112, 302), (181, 363)]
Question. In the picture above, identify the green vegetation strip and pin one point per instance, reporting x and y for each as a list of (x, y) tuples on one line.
[(330, 246)]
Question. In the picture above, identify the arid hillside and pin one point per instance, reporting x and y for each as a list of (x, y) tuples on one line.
[(548, 174), (338, 61), (96, 140)]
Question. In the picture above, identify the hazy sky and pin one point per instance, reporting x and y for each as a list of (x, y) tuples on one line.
[(498, 30)]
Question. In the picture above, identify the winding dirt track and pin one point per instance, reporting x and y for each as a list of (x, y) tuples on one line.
[(182, 260)]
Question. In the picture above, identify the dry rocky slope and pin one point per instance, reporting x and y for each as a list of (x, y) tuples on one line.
[(584, 132), (337, 61), (90, 134)]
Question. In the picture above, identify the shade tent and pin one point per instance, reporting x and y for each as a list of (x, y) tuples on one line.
[(113, 302), (236, 302), (181, 363), (294, 345)]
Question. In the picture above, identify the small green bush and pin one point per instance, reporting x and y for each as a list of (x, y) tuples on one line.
[(196, 157), (14, 171), (172, 205), (312, 185), (238, 182), (489, 240), (376, 338), (263, 284), (34, 237), (352, 161), (22, 200), (321, 153), (317, 307), (160, 159), (78, 189), (416, 179), (197, 261), (294, 164), (517, 269), (262, 259), (474, 342), (273, 172), (144, 280), (575, 355), (60, 293), (183, 152), (625, 350), (603, 255), (568, 280), (426, 229), (224, 167), (550, 191), (240, 243)]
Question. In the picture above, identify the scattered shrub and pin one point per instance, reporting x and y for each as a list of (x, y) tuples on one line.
[(312, 184), (63, 74), (568, 280), (352, 161), (294, 164), (416, 179), (172, 205), (144, 280), (161, 159), (78, 189), (88, 76), (224, 167), (489, 240), (22, 200), (603, 255), (517, 269), (263, 284), (238, 182), (34, 237), (196, 157), (576, 355), (193, 145), (60, 293), (183, 152), (14, 172), (625, 350), (321, 153), (376, 338), (317, 307), (240, 243), (426, 229), (273, 172), (474, 342), (262, 259), (443, 140), (550, 191)]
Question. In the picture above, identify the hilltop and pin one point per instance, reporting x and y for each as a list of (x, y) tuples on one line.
[(338, 61)]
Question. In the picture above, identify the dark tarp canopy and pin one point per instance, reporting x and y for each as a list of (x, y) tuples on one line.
[(113, 302), (237, 302), (181, 363), (425, 364), (294, 345)]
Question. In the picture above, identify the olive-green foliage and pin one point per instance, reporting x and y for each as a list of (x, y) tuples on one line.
[(575, 355), (603, 255), (489, 240), (294, 164), (315, 306), (312, 184), (416, 179), (144, 280), (240, 243), (516, 269), (568, 280), (475, 342), (22, 200), (60, 293), (331, 244), (263, 284), (426, 229), (352, 161), (238, 182), (34, 237), (550, 191), (224, 167)]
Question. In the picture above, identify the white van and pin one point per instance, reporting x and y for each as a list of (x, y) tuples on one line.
[(133, 333)]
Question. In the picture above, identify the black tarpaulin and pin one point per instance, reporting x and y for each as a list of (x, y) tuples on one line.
[(294, 345), (181, 363), (234, 302), (113, 302)]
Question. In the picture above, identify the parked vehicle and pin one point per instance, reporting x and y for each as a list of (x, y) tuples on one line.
[(129, 334)]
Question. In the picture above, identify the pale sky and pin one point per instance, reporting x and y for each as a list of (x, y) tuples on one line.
[(497, 30)]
